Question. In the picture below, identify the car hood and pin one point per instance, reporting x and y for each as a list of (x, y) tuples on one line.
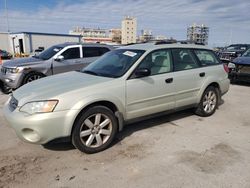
[(58, 85), (232, 51), (21, 62), (242, 60)]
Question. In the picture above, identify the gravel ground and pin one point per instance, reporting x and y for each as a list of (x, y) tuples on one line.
[(178, 150)]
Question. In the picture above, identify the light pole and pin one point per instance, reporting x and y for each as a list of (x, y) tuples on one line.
[(7, 16)]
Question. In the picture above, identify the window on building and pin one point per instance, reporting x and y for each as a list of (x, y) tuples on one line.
[(71, 53)]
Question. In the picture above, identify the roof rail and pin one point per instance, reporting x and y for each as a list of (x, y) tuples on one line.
[(165, 42)]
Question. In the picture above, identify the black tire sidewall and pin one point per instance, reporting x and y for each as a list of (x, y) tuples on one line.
[(76, 140), (26, 77), (201, 110)]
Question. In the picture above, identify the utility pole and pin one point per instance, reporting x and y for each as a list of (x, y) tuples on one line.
[(7, 16), (231, 34)]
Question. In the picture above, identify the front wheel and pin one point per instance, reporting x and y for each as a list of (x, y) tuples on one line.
[(209, 102), (32, 76), (94, 130)]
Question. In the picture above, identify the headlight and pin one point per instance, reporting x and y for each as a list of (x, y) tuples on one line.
[(39, 107), (12, 70), (231, 65)]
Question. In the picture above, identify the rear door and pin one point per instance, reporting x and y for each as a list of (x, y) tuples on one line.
[(90, 54), (188, 77)]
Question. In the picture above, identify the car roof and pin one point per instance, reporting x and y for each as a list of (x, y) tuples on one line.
[(153, 46), (83, 44)]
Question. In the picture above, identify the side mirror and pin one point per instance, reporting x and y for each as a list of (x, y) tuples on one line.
[(142, 72), (59, 58)]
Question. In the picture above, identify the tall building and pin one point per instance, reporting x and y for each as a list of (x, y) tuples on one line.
[(198, 33), (129, 28)]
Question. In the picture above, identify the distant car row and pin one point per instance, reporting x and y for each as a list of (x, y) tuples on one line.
[(237, 56), (5, 55)]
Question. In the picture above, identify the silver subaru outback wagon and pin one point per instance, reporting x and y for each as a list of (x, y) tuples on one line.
[(124, 85), (54, 60)]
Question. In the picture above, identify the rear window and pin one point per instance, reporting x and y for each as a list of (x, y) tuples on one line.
[(94, 51), (206, 57)]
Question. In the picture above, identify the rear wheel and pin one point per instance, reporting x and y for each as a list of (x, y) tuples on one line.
[(94, 130), (209, 102), (32, 76)]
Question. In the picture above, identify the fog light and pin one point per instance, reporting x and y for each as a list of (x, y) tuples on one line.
[(31, 135), (8, 80)]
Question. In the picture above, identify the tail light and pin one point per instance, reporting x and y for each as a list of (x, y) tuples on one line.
[(226, 68)]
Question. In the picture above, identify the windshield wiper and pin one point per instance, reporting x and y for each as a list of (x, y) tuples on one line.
[(90, 72)]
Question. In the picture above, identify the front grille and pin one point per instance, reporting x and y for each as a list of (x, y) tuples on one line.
[(3, 70), (13, 104), (244, 69)]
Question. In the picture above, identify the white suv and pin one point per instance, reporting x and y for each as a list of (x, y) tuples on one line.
[(125, 84)]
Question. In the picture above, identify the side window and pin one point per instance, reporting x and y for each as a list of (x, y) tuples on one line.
[(158, 62), (90, 52), (71, 53), (206, 57), (184, 59), (103, 50)]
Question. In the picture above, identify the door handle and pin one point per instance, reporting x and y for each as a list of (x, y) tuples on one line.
[(169, 80), (202, 74)]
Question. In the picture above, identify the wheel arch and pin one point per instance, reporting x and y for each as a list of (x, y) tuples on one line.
[(205, 86), (104, 103), (28, 72)]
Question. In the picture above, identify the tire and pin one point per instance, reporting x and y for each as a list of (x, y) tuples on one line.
[(5, 89), (209, 102), (95, 130), (32, 76)]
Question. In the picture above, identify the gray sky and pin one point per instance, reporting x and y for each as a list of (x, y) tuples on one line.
[(229, 20)]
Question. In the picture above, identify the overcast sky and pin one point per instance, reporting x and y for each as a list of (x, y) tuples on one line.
[(228, 20)]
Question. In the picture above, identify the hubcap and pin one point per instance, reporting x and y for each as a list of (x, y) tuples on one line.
[(96, 130), (209, 101), (33, 77)]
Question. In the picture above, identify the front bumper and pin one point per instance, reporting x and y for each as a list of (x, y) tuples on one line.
[(12, 80), (40, 128), (238, 76)]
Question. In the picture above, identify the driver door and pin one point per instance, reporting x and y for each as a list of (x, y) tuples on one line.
[(154, 93), (70, 62)]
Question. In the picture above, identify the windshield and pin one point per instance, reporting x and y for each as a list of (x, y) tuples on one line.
[(50, 52), (114, 64), (247, 53), (236, 47)]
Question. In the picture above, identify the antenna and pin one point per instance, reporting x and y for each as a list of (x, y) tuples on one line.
[(7, 16)]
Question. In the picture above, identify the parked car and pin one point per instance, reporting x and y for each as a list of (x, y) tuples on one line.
[(5, 55), (56, 59), (124, 85), (239, 69), (231, 52)]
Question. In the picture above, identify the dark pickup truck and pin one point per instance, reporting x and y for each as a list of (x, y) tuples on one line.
[(239, 68), (233, 51)]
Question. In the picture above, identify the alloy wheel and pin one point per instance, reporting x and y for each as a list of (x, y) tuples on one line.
[(34, 77), (209, 101), (96, 130)]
